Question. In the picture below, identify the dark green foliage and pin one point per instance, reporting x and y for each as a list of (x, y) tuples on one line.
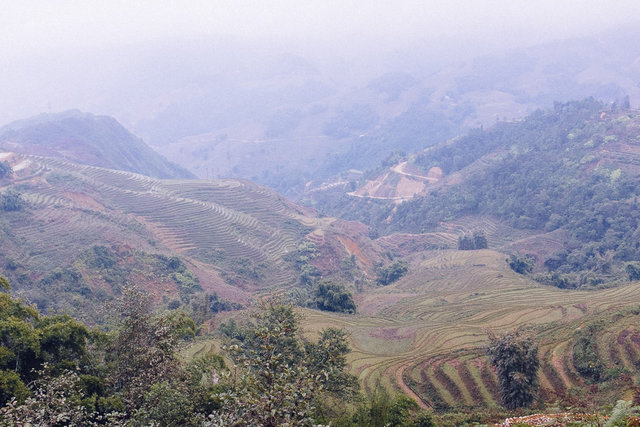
[(100, 257), (59, 373), (29, 341), (329, 296), (204, 306), (478, 240), (11, 201), (585, 352), (391, 273), (516, 361), (232, 331), (165, 405), (12, 387), (546, 177), (5, 169), (218, 304), (521, 264), (301, 259), (242, 270), (633, 270), (4, 284)]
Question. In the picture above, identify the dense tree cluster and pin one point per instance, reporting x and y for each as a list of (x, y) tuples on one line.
[(385, 275), (477, 240), (515, 359), (329, 296), (318, 293), (585, 352), (521, 264), (54, 371)]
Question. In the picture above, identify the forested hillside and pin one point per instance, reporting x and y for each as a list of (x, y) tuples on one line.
[(571, 172)]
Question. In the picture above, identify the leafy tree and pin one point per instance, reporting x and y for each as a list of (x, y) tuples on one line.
[(11, 200), (477, 240), (4, 284), (521, 264), (465, 243), (633, 270), (328, 357), (585, 352), (279, 381), (516, 361), (391, 273), (381, 409), (329, 296), (480, 240), (144, 351)]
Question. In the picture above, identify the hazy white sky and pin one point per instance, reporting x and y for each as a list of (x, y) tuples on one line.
[(60, 54), (34, 25)]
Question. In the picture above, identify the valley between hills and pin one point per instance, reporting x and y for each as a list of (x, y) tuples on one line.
[(84, 231)]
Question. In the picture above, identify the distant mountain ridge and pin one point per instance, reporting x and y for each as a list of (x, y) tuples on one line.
[(88, 139)]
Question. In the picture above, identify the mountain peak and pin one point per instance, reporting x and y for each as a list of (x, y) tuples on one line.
[(86, 138)]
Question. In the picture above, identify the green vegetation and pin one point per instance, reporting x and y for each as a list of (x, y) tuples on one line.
[(586, 357), (282, 381), (11, 200), (478, 240), (391, 273), (516, 361), (329, 296), (554, 170), (521, 264)]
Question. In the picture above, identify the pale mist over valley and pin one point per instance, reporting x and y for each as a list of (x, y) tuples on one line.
[(345, 213)]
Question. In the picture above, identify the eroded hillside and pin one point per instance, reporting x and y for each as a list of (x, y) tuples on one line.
[(80, 232)]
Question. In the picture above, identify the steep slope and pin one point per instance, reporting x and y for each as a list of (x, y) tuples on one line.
[(87, 139), (568, 175), (83, 231)]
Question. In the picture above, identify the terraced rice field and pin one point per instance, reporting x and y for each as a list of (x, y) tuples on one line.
[(426, 333), (213, 221)]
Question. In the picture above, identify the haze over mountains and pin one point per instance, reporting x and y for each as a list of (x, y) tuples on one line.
[(416, 198), (226, 108), (87, 139)]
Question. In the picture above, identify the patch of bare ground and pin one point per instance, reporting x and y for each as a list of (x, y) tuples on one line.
[(553, 420), (373, 303), (408, 187), (405, 244), (84, 201), (352, 248), (210, 281), (542, 246), (393, 333)]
